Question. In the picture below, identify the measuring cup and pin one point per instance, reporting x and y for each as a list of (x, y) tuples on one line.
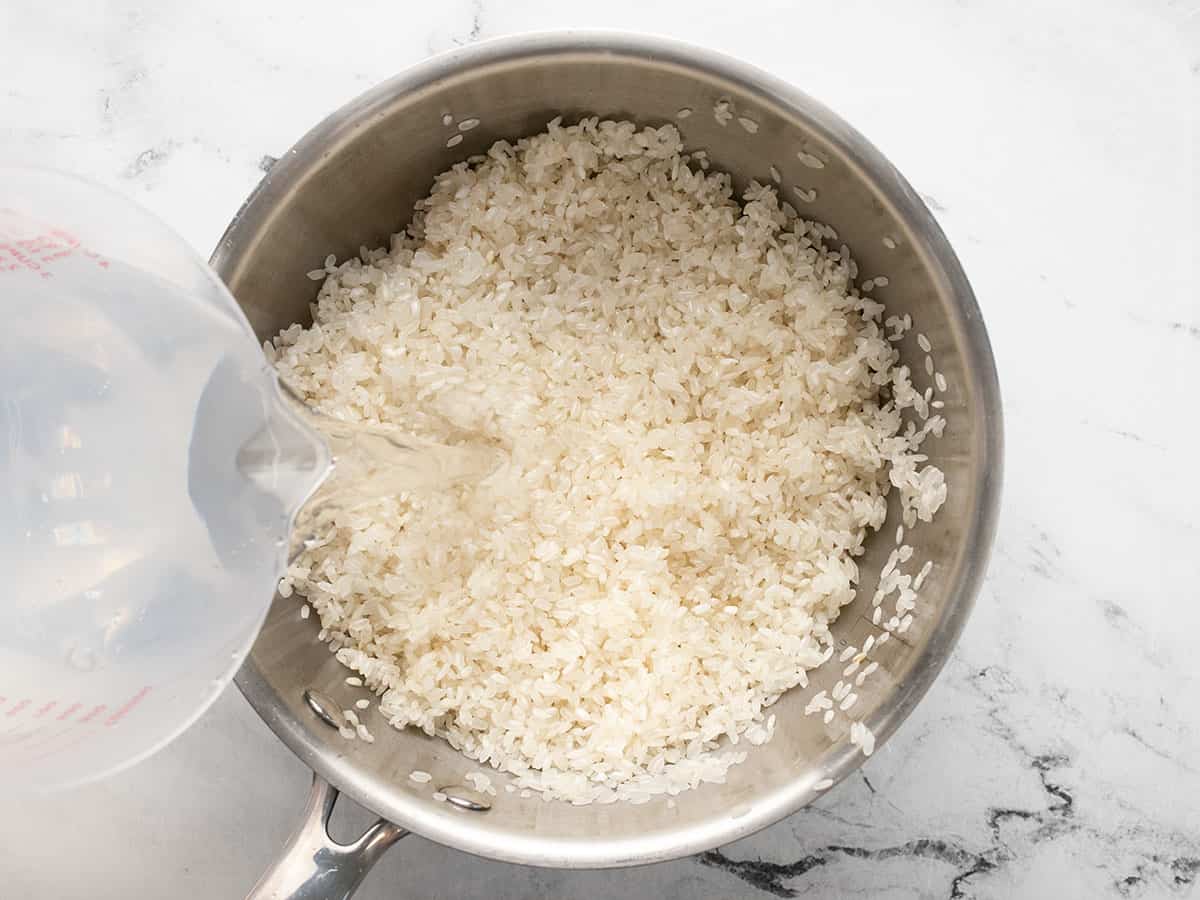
[(139, 555)]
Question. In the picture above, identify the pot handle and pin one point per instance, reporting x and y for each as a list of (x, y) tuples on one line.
[(312, 866)]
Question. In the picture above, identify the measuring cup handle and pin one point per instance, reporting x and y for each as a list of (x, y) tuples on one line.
[(312, 865)]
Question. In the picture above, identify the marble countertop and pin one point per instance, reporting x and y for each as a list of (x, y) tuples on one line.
[(1059, 753)]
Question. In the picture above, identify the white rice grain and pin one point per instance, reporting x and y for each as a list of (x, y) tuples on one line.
[(632, 356)]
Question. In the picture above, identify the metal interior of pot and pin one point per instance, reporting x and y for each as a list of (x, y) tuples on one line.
[(353, 181)]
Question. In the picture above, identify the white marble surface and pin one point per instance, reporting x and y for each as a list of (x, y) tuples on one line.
[(1059, 754)]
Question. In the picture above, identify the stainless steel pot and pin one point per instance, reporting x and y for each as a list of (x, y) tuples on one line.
[(353, 180)]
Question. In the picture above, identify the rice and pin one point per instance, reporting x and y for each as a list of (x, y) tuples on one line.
[(818, 702), (862, 737), (702, 421)]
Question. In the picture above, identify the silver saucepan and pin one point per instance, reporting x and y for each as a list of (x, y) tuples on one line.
[(353, 181)]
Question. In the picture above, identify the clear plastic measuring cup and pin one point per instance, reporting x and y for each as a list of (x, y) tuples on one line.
[(138, 560)]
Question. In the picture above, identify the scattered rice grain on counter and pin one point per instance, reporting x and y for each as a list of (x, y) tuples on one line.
[(698, 412)]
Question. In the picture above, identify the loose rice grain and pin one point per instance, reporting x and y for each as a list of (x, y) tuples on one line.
[(578, 295)]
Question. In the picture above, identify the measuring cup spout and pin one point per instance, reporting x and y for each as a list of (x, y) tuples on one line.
[(286, 458)]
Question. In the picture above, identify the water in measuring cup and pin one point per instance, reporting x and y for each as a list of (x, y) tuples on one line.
[(126, 403), (150, 474), (139, 562)]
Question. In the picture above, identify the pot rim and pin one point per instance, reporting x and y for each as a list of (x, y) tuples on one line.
[(548, 850)]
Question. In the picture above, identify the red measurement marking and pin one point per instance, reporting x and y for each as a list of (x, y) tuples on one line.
[(45, 709), (66, 713), (21, 259), (37, 253), (129, 705), (96, 710), (17, 707)]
